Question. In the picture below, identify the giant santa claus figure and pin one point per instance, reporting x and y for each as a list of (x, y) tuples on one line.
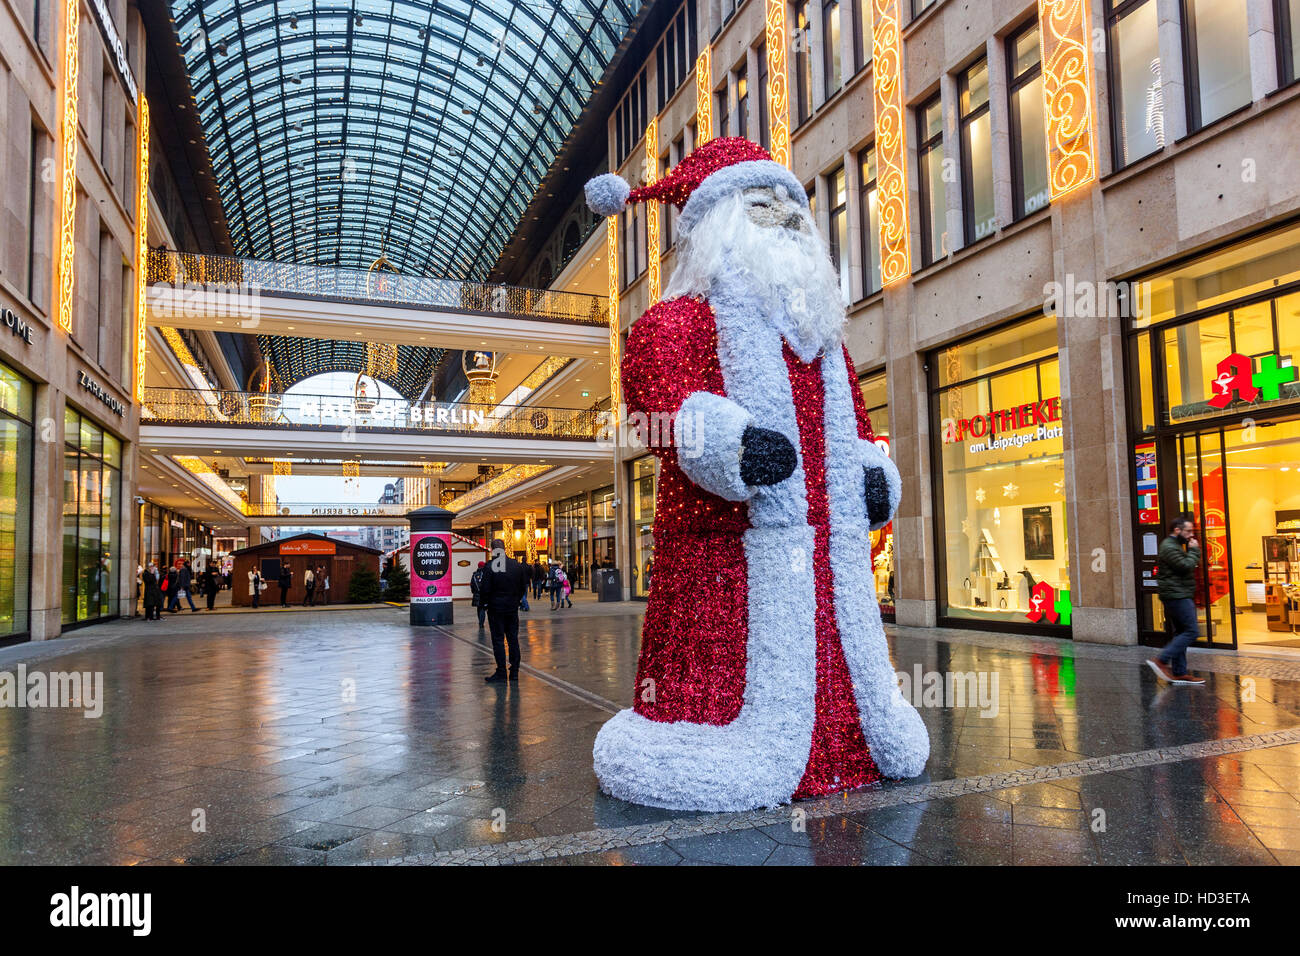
[(764, 674)]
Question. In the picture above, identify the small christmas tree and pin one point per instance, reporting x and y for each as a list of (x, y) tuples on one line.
[(399, 583), (364, 586)]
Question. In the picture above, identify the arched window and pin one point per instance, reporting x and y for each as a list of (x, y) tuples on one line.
[(572, 240)]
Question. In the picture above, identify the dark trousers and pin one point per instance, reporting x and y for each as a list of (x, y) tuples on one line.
[(1182, 617), (505, 626), (152, 612), (311, 597), (212, 600), (257, 598), (482, 614), (284, 596)]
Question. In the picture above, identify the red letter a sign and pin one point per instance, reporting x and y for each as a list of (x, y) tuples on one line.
[(1233, 380)]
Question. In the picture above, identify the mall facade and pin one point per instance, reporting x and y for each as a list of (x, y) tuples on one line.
[(1087, 322), (1047, 370)]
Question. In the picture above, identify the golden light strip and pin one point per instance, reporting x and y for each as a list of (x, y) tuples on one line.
[(530, 536), (778, 83), (141, 242), (201, 470), (279, 467), (352, 469), (891, 143), (493, 486), (704, 97), (68, 164), (652, 211), (1067, 94), (615, 382), (508, 535)]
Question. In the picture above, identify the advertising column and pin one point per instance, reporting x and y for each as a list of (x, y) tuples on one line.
[(430, 566)]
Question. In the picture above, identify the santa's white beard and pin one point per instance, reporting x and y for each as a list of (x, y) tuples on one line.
[(787, 272)]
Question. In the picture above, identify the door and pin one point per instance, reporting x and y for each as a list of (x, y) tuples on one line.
[(1203, 494)]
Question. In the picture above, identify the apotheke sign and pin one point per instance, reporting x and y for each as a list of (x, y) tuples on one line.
[(992, 427)]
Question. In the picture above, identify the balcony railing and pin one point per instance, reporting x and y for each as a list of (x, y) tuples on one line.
[(327, 509), (360, 285), (182, 406)]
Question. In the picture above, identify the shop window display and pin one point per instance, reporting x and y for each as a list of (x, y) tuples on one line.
[(16, 402), (875, 395), (1000, 444), (642, 486), (92, 472)]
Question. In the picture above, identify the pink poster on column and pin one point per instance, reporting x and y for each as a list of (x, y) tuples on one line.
[(431, 567)]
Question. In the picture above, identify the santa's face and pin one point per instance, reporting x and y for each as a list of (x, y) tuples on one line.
[(769, 208)]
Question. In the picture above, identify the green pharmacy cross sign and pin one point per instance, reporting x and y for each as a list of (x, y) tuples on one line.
[(1238, 379)]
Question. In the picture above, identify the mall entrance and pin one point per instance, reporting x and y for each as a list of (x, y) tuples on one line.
[(1239, 482)]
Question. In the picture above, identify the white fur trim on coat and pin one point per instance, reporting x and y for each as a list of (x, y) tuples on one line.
[(759, 758), (873, 457), (707, 433)]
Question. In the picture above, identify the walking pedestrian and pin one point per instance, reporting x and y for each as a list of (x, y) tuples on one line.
[(153, 595), (475, 597), (183, 584), (1176, 563), (566, 588), (285, 581), (504, 582), (211, 585)]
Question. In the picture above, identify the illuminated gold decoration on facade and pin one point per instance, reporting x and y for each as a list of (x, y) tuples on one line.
[(1067, 94), (352, 469), (215, 483), (141, 242), (548, 367), (530, 536), (268, 496), (704, 97), (652, 211), (68, 164), (480, 370), (508, 535), (381, 357), (431, 467), (279, 467), (611, 251), (891, 143), (494, 486), (778, 83)]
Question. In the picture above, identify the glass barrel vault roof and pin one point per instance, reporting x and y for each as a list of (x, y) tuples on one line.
[(342, 130)]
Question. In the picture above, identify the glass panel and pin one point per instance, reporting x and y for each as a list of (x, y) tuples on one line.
[(15, 521), (89, 559), (1011, 346), (831, 46), (980, 204), (1212, 525), (91, 438), (1232, 273), (975, 88), (110, 547), (1145, 390), (1293, 41), (1032, 148), (71, 482), (112, 450), (15, 394), (1140, 99), (1026, 52), (871, 218), (1288, 327), (936, 211), (1222, 57), (1192, 352)]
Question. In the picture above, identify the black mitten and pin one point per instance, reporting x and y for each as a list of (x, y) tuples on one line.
[(766, 456), (877, 496)]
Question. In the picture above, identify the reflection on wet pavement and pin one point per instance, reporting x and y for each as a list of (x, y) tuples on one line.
[(349, 737)]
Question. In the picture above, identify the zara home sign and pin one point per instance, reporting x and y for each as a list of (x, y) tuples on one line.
[(18, 325), (101, 393)]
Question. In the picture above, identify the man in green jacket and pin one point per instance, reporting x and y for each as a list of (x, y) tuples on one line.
[(1176, 564)]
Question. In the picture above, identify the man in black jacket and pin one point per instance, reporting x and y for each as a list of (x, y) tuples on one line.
[(505, 581)]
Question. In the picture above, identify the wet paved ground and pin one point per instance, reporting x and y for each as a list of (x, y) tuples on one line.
[(345, 736)]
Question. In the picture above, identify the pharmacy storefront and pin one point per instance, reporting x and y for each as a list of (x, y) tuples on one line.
[(1000, 481), (1214, 427)]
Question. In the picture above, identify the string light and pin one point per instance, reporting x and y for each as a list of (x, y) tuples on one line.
[(611, 252), (778, 93), (891, 143), (530, 536), (281, 467), (652, 210), (68, 163), (1067, 94), (704, 97), (503, 482), (141, 243)]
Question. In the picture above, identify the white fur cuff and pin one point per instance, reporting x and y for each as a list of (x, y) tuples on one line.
[(873, 457), (707, 433)]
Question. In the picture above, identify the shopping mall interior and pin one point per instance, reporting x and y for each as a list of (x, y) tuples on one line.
[(276, 274)]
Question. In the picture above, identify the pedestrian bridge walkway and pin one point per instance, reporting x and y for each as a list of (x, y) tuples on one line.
[(222, 293), (258, 424)]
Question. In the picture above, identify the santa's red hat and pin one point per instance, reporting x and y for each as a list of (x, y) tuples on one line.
[(714, 170)]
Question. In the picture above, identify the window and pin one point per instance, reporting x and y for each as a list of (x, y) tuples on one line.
[(92, 465), (831, 65), (1216, 49), (875, 396), (33, 187), (929, 153), (1029, 191), (724, 114), (1286, 28), (630, 119), (675, 55), (998, 442), (839, 228), (16, 445), (862, 42), (1137, 102), (764, 131), (869, 213), (920, 6), (802, 63), (742, 105), (976, 153)]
